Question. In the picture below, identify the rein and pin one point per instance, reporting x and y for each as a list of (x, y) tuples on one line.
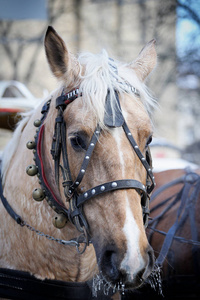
[(76, 201), (187, 197)]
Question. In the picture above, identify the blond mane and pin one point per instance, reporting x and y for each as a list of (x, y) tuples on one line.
[(102, 74)]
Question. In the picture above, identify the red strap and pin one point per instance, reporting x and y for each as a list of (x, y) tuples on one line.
[(39, 150)]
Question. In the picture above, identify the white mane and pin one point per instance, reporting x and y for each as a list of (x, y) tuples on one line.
[(102, 74)]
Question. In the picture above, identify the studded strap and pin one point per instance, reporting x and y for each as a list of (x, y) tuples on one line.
[(140, 156), (86, 160), (111, 186)]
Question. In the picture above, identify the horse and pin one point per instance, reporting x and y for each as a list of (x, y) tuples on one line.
[(174, 234), (76, 178)]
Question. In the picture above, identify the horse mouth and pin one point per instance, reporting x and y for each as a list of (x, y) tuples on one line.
[(108, 286), (118, 274)]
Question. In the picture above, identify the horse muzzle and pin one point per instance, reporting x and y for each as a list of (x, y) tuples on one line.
[(115, 272)]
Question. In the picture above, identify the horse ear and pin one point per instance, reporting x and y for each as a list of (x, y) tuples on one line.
[(146, 61), (60, 60)]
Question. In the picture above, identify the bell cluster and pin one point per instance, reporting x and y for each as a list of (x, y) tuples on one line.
[(59, 220)]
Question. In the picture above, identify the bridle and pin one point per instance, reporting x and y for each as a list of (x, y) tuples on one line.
[(76, 201)]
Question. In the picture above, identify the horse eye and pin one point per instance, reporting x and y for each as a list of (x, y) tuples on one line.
[(78, 143), (149, 141)]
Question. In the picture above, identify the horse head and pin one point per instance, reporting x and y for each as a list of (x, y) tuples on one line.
[(114, 218), (92, 160)]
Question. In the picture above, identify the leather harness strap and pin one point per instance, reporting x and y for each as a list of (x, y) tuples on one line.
[(187, 197), (111, 186), (7, 206), (19, 285)]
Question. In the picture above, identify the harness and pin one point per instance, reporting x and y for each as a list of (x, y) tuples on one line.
[(76, 201), (14, 283), (187, 198), (21, 285)]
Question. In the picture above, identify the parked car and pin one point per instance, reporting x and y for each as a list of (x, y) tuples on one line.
[(14, 98)]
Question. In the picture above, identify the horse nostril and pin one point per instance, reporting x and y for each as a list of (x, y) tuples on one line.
[(150, 264), (151, 258), (109, 265)]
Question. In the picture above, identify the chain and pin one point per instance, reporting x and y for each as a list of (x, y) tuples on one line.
[(51, 238)]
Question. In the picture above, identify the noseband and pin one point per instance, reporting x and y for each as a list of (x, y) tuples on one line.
[(59, 149)]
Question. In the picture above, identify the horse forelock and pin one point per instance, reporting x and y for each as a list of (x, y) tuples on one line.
[(99, 74)]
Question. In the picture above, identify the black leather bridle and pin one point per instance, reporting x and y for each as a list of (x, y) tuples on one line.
[(59, 149)]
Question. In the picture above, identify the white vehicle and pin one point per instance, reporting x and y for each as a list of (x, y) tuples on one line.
[(167, 156), (14, 98)]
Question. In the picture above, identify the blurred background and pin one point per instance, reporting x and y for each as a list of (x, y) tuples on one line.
[(122, 27)]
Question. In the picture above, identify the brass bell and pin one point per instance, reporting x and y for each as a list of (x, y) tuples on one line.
[(38, 194), (59, 221), (37, 123), (30, 145), (31, 170)]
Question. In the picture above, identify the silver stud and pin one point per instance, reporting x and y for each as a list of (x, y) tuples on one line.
[(92, 144), (82, 171), (149, 170), (114, 184), (143, 186), (136, 147), (85, 195), (93, 191), (87, 157), (143, 158), (77, 183), (129, 133), (103, 188)]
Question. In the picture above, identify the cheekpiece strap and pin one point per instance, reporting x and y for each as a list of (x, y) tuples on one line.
[(143, 160)]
